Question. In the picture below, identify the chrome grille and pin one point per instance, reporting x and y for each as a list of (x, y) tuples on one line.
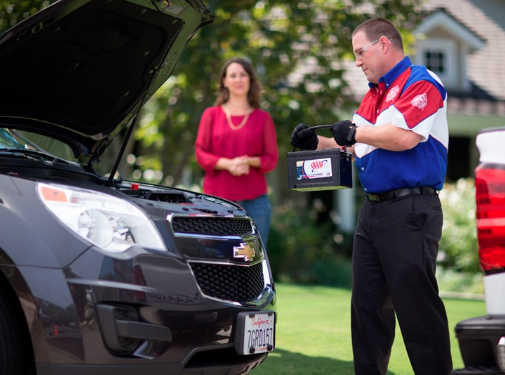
[(214, 226), (229, 282)]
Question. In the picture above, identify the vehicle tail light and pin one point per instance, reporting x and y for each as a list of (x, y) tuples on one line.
[(490, 212)]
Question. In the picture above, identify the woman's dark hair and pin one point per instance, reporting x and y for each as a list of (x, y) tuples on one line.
[(253, 96)]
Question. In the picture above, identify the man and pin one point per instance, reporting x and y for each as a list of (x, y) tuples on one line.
[(399, 137)]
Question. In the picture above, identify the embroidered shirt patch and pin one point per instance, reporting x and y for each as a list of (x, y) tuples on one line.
[(392, 93), (420, 101)]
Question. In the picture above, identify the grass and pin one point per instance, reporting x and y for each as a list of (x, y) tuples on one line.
[(314, 338)]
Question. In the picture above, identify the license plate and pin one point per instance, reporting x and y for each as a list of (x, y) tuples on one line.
[(255, 332)]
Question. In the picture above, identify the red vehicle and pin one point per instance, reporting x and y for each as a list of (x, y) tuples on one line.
[(482, 339)]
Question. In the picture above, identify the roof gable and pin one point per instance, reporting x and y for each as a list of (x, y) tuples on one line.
[(441, 19), (478, 17)]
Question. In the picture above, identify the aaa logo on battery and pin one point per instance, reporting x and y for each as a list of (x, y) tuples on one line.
[(317, 164), (244, 251)]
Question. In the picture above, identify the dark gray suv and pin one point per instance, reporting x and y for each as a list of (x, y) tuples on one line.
[(99, 275)]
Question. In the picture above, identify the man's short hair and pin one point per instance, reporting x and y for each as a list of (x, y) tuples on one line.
[(374, 28)]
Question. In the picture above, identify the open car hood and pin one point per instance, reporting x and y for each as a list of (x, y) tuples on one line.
[(79, 70)]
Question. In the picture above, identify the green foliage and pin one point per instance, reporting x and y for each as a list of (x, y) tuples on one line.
[(460, 282), (297, 49), (459, 235), (301, 250), (14, 11)]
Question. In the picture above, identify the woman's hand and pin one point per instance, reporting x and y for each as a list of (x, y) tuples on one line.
[(239, 166)]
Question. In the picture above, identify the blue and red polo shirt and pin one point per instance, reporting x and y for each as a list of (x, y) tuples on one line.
[(413, 98)]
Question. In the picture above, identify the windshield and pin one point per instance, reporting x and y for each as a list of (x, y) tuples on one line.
[(11, 139)]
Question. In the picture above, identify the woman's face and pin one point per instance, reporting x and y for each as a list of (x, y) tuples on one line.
[(236, 80)]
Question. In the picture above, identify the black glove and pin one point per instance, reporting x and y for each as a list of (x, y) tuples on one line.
[(304, 137), (344, 133)]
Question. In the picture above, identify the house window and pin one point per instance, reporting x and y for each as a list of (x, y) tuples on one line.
[(440, 56), (435, 61)]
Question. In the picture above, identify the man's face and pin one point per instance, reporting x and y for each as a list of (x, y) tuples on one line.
[(368, 56)]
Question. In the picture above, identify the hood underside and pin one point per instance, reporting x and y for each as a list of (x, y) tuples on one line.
[(80, 69)]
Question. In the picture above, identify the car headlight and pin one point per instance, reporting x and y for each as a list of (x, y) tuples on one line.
[(108, 222)]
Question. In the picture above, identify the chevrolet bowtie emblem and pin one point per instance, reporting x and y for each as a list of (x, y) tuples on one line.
[(244, 251)]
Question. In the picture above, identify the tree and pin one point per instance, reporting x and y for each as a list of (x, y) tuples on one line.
[(14, 11), (297, 48)]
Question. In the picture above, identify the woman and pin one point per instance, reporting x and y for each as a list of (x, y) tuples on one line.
[(237, 143)]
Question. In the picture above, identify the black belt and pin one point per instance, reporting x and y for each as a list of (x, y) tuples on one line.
[(388, 195)]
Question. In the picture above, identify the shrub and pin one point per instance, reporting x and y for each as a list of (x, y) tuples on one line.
[(301, 250), (304, 251), (458, 246)]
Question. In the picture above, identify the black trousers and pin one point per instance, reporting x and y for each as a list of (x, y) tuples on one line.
[(394, 255)]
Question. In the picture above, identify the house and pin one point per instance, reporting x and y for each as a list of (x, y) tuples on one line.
[(463, 41)]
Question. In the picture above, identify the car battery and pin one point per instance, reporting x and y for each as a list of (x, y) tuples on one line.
[(328, 169)]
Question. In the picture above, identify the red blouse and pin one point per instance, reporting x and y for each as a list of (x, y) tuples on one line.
[(216, 139)]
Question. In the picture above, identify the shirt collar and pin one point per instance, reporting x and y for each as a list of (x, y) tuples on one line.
[(394, 73)]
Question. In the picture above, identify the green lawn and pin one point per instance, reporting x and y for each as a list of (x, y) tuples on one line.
[(314, 338)]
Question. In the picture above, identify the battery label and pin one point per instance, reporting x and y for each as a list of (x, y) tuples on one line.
[(317, 168)]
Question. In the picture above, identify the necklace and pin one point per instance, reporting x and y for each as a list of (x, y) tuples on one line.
[(230, 123)]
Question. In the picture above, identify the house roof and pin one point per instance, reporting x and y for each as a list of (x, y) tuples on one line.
[(483, 24), (482, 17), (440, 17)]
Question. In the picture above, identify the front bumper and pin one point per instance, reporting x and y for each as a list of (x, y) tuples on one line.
[(244, 367), (140, 314)]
